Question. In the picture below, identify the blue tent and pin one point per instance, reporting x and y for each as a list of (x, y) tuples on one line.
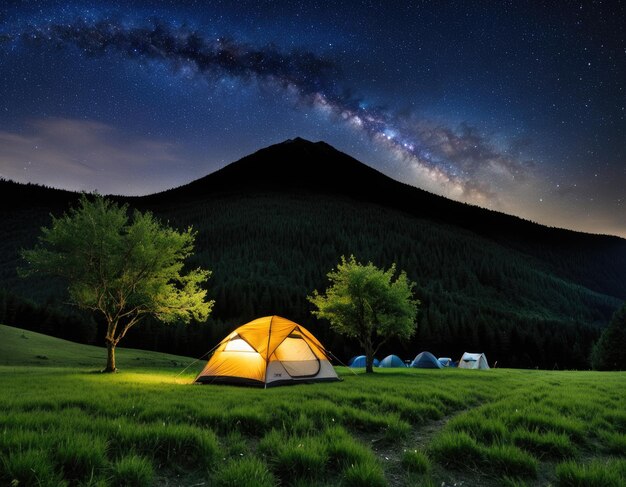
[(392, 361), (445, 361), (359, 362), (426, 360)]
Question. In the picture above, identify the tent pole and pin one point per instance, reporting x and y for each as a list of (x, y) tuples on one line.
[(267, 352)]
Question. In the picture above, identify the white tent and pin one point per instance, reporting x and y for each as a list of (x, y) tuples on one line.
[(473, 361)]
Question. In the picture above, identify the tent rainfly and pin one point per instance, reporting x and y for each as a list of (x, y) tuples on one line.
[(359, 362), (267, 352), (426, 360), (445, 361), (392, 361), (473, 361)]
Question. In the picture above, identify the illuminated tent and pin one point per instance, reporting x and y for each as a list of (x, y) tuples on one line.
[(473, 361), (445, 361), (359, 361), (426, 360), (392, 361), (267, 352)]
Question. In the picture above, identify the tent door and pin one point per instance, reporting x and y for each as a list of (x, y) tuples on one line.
[(296, 357)]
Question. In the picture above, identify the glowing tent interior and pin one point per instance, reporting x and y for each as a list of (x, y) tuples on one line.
[(266, 352)]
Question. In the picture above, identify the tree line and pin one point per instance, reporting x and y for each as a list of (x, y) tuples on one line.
[(268, 252)]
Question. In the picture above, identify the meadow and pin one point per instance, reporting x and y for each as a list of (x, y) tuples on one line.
[(64, 423)]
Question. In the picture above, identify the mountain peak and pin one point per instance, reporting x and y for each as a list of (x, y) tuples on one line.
[(292, 165), (297, 140)]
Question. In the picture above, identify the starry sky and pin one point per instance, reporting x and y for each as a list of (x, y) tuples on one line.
[(517, 106)]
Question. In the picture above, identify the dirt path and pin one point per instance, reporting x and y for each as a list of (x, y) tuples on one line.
[(390, 455)]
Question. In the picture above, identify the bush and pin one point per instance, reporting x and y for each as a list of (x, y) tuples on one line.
[(609, 352)]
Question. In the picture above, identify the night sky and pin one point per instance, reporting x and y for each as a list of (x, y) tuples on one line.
[(516, 106)]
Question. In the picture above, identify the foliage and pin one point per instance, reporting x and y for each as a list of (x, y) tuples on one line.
[(369, 304), (119, 268), (609, 353)]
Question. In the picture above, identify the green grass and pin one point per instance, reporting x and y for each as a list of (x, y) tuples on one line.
[(244, 472), (22, 347), (594, 474), (132, 471), (415, 461), (67, 425)]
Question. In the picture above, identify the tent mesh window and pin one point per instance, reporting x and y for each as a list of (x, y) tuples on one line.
[(238, 344)]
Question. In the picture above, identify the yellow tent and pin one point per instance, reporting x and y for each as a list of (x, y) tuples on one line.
[(268, 351)]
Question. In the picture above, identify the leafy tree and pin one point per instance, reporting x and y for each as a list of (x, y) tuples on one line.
[(609, 352), (122, 268), (369, 304)]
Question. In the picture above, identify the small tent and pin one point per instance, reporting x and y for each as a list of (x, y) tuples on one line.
[(445, 361), (392, 361), (473, 361), (426, 360), (359, 361), (267, 352)]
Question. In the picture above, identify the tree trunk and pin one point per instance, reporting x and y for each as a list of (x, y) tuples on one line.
[(369, 359), (110, 357)]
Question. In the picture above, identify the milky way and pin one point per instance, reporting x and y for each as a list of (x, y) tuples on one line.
[(518, 108), (449, 157)]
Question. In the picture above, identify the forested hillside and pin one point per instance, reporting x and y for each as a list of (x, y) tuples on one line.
[(273, 224)]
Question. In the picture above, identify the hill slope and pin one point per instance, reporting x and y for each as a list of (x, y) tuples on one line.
[(24, 348), (525, 294)]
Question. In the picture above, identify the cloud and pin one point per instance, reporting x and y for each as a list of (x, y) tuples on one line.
[(87, 155)]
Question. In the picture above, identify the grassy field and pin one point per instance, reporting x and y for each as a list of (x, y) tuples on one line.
[(62, 423)]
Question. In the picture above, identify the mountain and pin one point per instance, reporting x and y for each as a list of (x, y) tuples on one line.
[(272, 224), (318, 168)]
